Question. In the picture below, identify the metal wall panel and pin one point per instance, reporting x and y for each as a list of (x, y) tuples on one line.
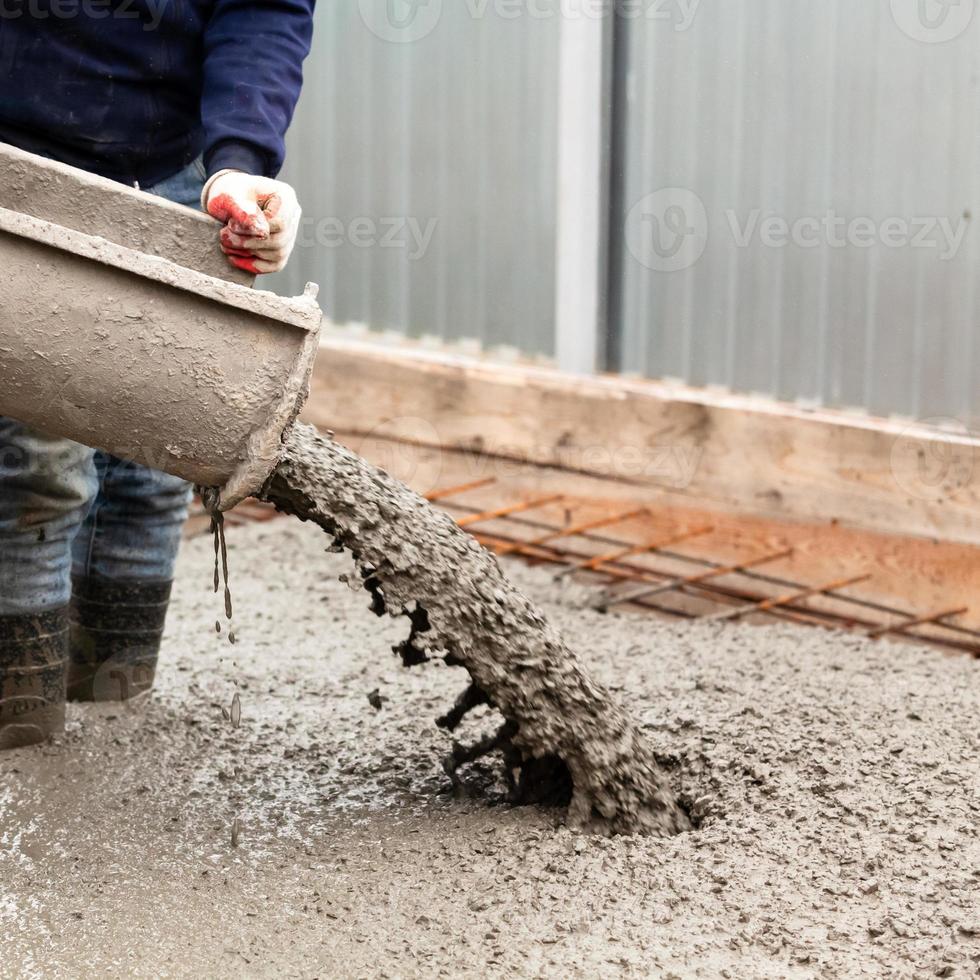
[(441, 119), (830, 111), (752, 110)]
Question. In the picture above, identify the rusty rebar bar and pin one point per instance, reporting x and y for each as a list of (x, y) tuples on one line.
[(608, 599), (492, 515), (784, 600), (927, 620), (448, 492), (576, 529), (595, 563), (717, 593)]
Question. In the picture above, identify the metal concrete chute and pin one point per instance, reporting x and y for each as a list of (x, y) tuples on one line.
[(131, 351)]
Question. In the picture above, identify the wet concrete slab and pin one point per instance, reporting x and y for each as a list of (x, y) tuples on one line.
[(840, 778)]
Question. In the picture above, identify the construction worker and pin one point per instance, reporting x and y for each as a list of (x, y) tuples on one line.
[(188, 100)]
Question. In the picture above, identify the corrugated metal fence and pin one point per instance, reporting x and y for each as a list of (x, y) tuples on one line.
[(824, 156), (424, 151), (793, 186)]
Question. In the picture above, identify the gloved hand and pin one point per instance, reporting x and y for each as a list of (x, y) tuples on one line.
[(261, 219)]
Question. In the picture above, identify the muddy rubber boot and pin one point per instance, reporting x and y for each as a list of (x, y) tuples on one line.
[(116, 629), (33, 664)]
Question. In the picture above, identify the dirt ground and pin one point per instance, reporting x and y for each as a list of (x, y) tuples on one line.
[(840, 780)]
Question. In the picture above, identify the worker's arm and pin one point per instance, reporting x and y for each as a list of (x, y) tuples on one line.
[(253, 73)]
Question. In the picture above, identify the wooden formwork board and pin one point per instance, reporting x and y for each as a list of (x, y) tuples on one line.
[(669, 443), (439, 421)]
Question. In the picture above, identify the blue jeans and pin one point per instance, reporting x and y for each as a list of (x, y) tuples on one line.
[(66, 509)]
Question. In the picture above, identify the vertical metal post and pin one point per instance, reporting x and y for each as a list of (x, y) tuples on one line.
[(584, 97), (618, 120)]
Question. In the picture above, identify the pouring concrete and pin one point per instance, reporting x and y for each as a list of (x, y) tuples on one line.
[(111, 340)]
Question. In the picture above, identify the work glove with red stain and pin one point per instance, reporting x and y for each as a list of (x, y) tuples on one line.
[(261, 218)]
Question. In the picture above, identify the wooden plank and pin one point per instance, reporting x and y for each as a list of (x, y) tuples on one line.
[(910, 573), (748, 455)]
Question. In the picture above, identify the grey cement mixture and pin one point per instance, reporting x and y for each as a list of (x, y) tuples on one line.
[(559, 724), (838, 780)]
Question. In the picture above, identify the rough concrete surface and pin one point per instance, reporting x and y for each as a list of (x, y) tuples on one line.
[(842, 777)]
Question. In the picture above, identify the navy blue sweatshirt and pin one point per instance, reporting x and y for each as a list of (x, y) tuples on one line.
[(134, 90)]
